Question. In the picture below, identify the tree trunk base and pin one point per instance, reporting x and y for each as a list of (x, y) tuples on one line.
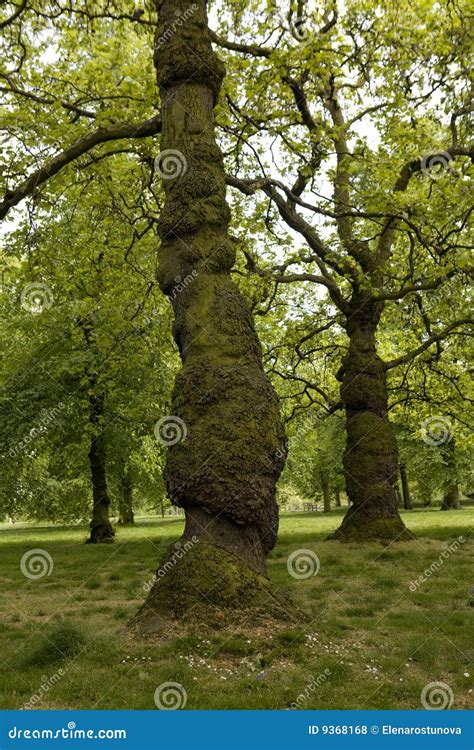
[(126, 521), (203, 582), (101, 534), (358, 528)]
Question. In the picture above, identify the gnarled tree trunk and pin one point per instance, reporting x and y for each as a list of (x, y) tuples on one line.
[(370, 458), (100, 526), (224, 470)]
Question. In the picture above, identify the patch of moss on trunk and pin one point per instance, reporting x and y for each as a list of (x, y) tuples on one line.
[(373, 530), (206, 583)]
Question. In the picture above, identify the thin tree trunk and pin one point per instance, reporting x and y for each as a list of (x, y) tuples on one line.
[(224, 469), (126, 515), (405, 486), (337, 498), (100, 526), (326, 492), (370, 458), (398, 493), (451, 496)]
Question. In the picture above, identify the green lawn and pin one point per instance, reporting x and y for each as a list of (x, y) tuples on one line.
[(369, 641)]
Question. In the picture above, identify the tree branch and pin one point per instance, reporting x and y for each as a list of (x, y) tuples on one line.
[(83, 145), (426, 345)]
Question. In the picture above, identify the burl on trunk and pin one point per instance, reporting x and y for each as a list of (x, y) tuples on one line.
[(224, 471)]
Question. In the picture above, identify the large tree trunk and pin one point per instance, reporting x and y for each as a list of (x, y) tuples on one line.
[(126, 515), (224, 470), (100, 526), (405, 486), (451, 496), (370, 458)]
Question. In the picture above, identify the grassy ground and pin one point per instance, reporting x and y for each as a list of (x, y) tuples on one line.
[(370, 641)]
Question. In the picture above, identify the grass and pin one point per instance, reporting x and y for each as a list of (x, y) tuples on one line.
[(373, 641)]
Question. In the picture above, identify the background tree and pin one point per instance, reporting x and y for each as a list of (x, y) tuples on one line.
[(352, 182)]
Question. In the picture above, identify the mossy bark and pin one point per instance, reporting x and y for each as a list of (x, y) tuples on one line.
[(126, 515), (225, 470), (101, 530), (370, 458)]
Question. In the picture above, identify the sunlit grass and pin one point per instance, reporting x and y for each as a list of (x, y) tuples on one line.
[(379, 641)]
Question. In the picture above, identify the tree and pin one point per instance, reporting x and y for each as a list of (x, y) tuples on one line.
[(90, 335), (389, 230), (224, 469)]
